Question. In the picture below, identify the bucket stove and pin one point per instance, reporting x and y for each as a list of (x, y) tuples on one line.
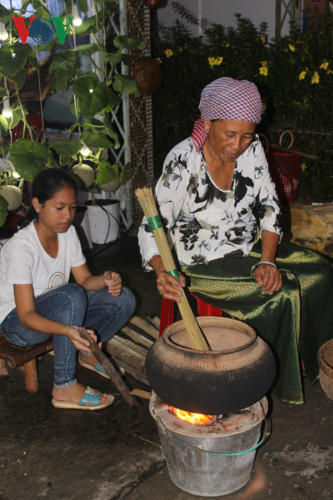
[(214, 459)]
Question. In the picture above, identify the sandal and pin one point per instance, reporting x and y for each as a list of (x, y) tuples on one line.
[(99, 369), (89, 401)]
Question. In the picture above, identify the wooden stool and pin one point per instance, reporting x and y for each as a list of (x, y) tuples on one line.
[(13, 356)]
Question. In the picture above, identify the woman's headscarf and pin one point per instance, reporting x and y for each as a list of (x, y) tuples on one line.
[(227, 99)]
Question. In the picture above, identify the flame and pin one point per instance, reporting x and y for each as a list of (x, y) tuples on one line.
[(193, 418)]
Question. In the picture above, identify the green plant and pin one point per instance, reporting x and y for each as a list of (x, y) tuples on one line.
[(95, 94)]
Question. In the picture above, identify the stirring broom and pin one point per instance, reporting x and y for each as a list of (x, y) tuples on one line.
[(147, 202)]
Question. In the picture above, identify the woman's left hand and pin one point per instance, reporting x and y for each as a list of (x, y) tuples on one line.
[(268, 277), (113, 282)]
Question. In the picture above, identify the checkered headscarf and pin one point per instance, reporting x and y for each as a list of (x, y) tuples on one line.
[(227, 99)]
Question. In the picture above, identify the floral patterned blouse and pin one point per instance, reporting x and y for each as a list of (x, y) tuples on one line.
[(205, 222)]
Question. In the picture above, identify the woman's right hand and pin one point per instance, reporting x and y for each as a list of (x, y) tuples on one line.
[(169, 287)]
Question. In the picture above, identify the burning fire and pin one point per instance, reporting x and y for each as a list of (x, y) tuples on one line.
[(193, 418)]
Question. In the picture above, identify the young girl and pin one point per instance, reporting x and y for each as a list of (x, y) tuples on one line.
[(37, 301)]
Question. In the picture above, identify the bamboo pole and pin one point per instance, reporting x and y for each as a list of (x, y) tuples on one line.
[(147, 202)]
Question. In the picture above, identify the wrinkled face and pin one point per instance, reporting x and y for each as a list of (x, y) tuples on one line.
[(228, 139), (57, 213)]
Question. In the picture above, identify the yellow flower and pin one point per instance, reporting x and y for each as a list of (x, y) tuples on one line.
[(168, 52), (303, 166), (315, 78), (159, 60), (292, 47), (302, 75), (215, 61), (263, 70), (263, 63), (324, 65), (263, 39), (329, 71)]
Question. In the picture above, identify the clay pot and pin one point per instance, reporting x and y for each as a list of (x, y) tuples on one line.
[(236, 373), (148, 75)]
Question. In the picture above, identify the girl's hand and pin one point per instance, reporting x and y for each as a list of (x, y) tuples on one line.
[(269, 278), (79, 342), (113, 282), (169, 287)]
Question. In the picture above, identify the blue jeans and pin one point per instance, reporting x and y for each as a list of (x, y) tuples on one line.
[(72, 305)]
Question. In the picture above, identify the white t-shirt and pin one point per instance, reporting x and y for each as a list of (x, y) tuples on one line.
[(23, 260)]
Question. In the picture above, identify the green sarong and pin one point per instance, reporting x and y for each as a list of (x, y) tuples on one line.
[(295, 321)]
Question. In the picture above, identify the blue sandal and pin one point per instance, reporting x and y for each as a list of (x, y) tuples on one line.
[(89, 401)]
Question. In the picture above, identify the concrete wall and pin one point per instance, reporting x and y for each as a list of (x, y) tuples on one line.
[(223, 12)]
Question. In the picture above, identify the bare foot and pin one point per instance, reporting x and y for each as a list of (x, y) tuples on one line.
[(73, 394)]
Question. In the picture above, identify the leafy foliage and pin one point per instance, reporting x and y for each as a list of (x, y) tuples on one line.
[(95, 94)]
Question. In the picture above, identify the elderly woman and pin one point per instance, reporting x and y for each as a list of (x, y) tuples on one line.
[(222, 214)]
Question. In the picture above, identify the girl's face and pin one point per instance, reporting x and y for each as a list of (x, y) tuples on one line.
[(57, 213)]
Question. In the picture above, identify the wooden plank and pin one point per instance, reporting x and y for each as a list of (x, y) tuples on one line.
[(131, 345), (141, 394), (137, 337), (155, 321), (125, 359), (145, 326), (120, 344)]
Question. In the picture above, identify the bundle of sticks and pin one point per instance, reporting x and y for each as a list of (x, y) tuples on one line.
[(146, 199)]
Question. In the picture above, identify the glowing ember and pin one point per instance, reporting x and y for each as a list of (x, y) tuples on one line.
[(193, 418)]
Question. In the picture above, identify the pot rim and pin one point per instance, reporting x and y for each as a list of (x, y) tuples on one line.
[(204, 320)]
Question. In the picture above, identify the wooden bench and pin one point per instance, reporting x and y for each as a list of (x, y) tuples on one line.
[(12, 356)]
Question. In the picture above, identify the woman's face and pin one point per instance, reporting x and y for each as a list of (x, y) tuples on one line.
[(228, 139), (57, 213)]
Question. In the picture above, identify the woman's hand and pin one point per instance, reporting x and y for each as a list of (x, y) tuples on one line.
[(113, 282), (268, 277), (79, 342), (169, 287)]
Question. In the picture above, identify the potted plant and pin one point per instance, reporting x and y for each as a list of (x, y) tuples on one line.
[(84, 151)]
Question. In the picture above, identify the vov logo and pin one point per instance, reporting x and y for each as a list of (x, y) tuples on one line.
[(42, 30)]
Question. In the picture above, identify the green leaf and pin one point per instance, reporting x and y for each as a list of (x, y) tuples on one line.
[(126, 84), (66, 147), (13, 58), (88, 48), (126, 42), (83, 6), (107, 173), (87, 27), (3, 210), (126, 173), (4, 127), (111, 131), (16, 118), (93, 95), (118, 58), (20, 78), (5, 15), (28, 158), (34, 63), (94, 134), (63, 67)]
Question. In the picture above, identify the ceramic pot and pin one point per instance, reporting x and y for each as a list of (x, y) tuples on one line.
[(236, 373)]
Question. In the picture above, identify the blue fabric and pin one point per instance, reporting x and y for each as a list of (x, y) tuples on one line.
[(72, 305)]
